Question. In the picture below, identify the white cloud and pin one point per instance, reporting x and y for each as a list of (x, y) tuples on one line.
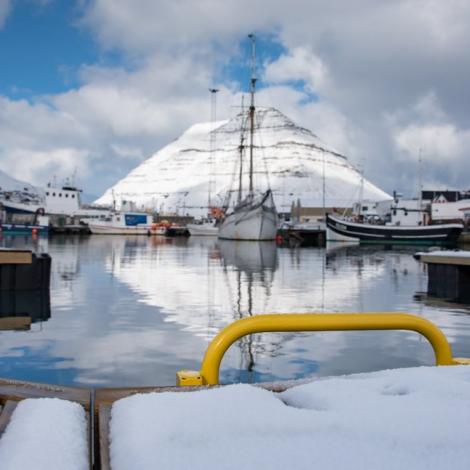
[(298, 64), (388, 75), (443, 142), (5, 6)]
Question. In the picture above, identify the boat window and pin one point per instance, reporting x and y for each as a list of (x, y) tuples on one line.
[(66, 195), (60, 194), (47, 193), (53, 194), (73, 195)]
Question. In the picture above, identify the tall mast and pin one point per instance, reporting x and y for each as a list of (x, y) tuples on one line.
[(252, 104), (213, 92), (241, 147), (323, 185), (420, 182)]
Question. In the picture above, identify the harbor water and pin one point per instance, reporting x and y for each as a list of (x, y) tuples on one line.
[(131, 311)]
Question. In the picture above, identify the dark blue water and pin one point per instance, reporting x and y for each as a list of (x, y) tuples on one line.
[(134, 310)]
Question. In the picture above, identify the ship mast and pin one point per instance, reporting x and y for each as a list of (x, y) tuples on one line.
[(213, 92), (241, 147), (252, 105)]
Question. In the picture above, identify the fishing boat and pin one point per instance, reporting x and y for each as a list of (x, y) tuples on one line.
[(350, 230), (254, 217), (203, 228), (122, 223)]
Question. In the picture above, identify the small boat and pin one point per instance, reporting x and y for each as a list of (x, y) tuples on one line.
[(123, 223), (203, 228), (389, 234)]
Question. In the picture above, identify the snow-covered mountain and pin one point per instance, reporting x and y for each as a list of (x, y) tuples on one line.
[(7, 183), (290, 159)]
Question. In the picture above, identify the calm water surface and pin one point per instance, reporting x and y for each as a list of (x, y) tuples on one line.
[(133, 310)]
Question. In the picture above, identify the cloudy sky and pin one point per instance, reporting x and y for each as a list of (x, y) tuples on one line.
[(97, 86)]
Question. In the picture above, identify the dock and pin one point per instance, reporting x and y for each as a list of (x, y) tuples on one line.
[(448, 274), (24, 270), (294, 237)]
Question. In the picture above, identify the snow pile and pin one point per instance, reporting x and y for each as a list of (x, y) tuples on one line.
[(45, 434), (415, 418), (177, 177)]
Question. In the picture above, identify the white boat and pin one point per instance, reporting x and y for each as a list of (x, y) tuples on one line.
[(124, 223), (51, 200), (204, 228), (254, 217)]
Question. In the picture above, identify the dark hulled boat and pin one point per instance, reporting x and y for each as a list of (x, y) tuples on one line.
[(371, 233)]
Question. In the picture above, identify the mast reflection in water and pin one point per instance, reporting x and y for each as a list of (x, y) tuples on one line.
[(133, 310), (254, 263)]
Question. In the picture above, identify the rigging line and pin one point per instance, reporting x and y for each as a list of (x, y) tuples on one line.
[(262, 149)]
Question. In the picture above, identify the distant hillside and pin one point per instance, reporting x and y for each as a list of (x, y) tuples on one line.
[(7, 183)]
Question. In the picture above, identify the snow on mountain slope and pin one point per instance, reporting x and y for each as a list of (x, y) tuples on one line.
[(177, 177), (7, 183)]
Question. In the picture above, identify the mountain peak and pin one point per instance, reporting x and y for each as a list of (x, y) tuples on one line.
[(288, 158)]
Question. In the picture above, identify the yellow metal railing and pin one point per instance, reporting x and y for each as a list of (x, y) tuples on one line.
[(209, 373)]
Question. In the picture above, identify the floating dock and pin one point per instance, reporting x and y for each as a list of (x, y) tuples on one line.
[(448, 274), (24, 270), (294, 237)]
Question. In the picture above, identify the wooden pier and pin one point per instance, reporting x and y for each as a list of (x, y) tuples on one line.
[(14, 391)]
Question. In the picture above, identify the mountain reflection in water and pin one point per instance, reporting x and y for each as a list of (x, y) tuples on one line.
[(134, 310)]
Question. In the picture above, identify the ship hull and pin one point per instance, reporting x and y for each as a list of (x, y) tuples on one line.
[(251, 221), (112, 230), (368, 233), (203, 230), (23, 229)]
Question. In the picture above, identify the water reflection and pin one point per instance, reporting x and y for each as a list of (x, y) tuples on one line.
[(32, 305), (255, 264), (133, 310)]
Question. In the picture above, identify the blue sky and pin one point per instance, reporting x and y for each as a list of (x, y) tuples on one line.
[(43, 45), (42, 48), (98, 86)]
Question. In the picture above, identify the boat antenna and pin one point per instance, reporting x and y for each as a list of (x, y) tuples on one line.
[(323, 184), (241, 148), (213, 92), (252, 104), (420, 182), (361, 198)]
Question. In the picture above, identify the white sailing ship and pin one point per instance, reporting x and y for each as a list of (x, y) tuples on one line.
[(254, 217)]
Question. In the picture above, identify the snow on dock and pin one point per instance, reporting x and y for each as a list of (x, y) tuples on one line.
[(417, 418), (45, 434)]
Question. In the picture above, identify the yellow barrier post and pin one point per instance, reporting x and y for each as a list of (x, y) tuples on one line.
[(209, 373)]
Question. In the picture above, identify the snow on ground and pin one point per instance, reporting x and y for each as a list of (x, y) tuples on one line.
[(416, 418), (45, 434)]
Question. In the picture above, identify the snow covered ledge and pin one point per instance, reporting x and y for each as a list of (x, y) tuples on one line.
[(45, 434), (417, 418)]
